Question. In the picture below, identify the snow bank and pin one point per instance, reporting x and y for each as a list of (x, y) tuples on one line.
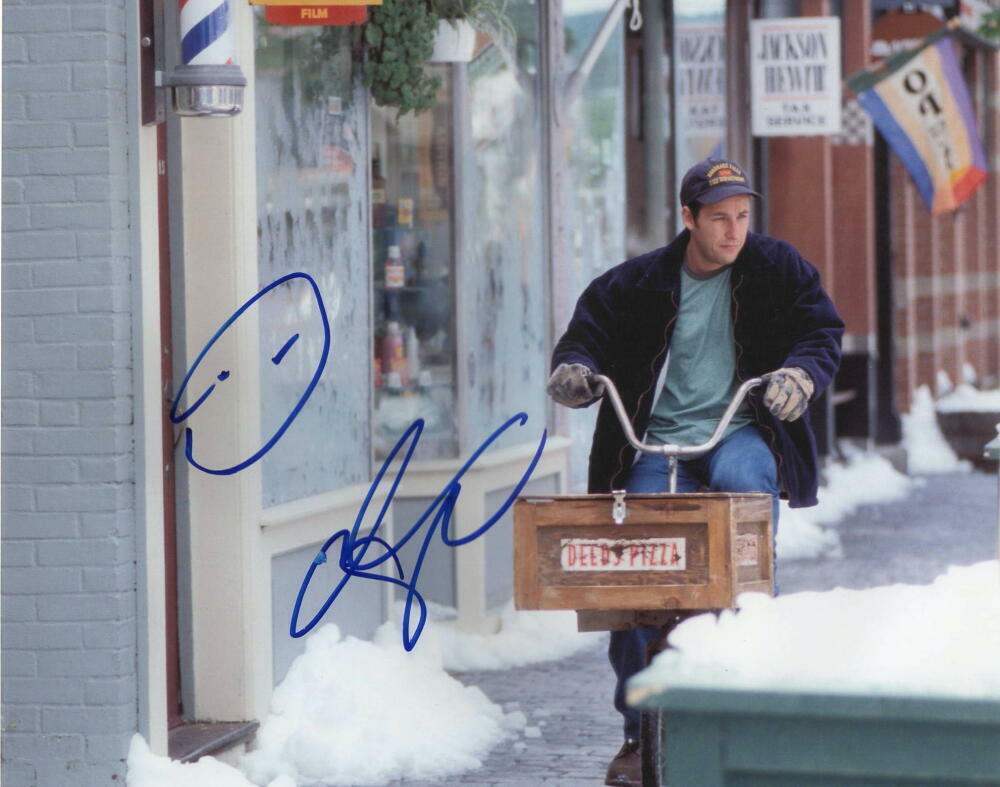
[(146, 769), (354, 712), (926, 449), (965, 398), (357, 712), (524, 638), (864, 479), (801, 538), (941, 639)]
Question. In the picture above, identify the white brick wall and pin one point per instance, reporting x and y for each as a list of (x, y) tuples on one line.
[(69, 629)]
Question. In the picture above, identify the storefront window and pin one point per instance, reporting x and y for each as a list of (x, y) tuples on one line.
[(597, 170), (414, 288), (503, 296), (311, 153), (699, 48), (596, 210)]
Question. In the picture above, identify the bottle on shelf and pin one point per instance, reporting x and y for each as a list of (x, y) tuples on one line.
[(419, 267), (395, 271), (412, 353), (405, 215), (394, 355), (378, 190)]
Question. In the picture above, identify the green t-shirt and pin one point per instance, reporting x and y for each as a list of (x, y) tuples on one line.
[(701, 368)]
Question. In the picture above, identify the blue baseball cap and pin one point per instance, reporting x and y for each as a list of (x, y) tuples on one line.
[(712, 180)]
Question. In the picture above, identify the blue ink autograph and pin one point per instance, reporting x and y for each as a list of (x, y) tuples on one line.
[(354, 548), (224, 375)]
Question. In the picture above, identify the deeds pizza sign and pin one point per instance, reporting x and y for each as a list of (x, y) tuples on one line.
[(623, 554)]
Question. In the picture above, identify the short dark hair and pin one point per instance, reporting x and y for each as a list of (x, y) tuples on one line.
[(694, 207)]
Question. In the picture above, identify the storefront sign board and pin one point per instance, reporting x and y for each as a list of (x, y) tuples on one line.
[(316, 2), (700, 88), (795, 76), (296, 15)]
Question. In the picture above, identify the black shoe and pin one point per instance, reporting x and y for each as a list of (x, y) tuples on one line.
[(625, 769)]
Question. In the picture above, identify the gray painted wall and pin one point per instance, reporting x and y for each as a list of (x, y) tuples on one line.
[(69, 599), (437, 573), (357, 612), (500, 540)]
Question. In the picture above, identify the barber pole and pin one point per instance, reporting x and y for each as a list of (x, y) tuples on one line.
[(208, 82), (206, 33)]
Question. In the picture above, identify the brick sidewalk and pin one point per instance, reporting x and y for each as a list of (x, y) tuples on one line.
[(569, 702)]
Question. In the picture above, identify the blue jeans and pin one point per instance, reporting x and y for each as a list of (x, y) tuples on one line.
[(742, 462)]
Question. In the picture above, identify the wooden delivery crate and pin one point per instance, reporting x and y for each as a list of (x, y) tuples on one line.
[(670, 552)]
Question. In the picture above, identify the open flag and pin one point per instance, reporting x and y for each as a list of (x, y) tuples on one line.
[(920, 103)]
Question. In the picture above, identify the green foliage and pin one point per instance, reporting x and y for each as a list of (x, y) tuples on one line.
[(990, 28), (399, 38)]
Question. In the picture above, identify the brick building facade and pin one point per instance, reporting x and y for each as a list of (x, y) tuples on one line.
[(945, 269), (69, 509)]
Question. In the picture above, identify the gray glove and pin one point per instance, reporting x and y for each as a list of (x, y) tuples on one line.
[(788, 393), (570, 385)]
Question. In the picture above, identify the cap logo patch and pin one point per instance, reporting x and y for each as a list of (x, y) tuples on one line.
[(724, 173)]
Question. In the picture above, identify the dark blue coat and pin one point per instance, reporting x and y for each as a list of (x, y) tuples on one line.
[(781, 317)]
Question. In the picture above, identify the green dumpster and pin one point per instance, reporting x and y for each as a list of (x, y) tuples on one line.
[(893, 686), (716, 737)]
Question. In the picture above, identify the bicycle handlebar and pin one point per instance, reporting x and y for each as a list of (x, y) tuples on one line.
[(670, 449)]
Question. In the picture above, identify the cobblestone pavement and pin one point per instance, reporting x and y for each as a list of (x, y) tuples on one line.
[(948, 520), (569, 702)]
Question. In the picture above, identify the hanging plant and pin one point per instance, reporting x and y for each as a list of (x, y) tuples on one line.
[(399, 38), (490, 16)]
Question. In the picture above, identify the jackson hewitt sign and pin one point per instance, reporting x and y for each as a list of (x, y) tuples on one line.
[(795, 76)]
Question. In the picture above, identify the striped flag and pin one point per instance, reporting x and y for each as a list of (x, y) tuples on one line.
[(920, 103)]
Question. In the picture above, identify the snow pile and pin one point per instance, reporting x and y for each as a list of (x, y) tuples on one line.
[(146, 769), (864, 479), (351, 711), (801, 538), (941, 639), (357, 712), (523, 638), (943, 383), (965, 398), (926, 449)]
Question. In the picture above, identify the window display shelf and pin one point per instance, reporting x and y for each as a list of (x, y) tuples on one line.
[(412, 282)]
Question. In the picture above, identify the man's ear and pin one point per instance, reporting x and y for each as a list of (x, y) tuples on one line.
[(688, 217)]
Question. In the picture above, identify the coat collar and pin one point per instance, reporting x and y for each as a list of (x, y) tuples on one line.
[(663, 269)]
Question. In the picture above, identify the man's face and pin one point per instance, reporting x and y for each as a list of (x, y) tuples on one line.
[(718, 234)]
